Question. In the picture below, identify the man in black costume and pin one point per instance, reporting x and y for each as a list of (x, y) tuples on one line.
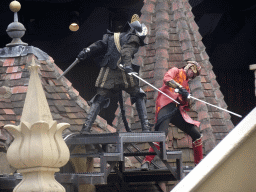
[(116, 68)]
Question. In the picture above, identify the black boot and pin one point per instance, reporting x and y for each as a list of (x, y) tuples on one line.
[(142, 112), (96, 105)]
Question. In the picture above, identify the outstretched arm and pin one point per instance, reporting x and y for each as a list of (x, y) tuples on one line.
[(96, 49)]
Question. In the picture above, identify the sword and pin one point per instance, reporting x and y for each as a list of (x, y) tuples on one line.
[(134, 74), (72, 65), (190, 96)]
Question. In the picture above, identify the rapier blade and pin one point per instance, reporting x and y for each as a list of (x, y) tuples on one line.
[(154, 87), (215, 106), (70, 67)]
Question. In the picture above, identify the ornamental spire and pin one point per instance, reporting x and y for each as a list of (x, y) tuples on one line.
[(15, 30)]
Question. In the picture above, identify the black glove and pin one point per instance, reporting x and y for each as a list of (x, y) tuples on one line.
[(82, 55), (128, 69), (184, 93)]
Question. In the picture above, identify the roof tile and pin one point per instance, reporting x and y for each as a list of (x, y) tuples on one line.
[(56, 96), (111, 129), (5, 76), (7, 105), (71, 115), (8, 62), (3, 70), (1, 125), (97, 129), (9, 111), (50, 82), (63, 96), (81, 114), (71, 103), (10, 117), (68, 96), (50, 102), (16, 76), (57, 82), (61, 108), (43, 81), (18, 103), (50, 89), (79, 121), (25, 74), (12, 69), (48, 96), (63, 89), (74, 109), (58, 89), (19, 89), (66, 81), (54, 109), (56, 116)]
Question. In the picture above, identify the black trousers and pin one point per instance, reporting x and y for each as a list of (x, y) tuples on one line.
[(171, 114)]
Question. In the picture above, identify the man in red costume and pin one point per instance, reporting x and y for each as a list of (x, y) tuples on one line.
[(168, 111)]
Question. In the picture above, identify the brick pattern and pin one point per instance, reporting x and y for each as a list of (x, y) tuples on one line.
[(186, 29), (219, 120), (65, 103)]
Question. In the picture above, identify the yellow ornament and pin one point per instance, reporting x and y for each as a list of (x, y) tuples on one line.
[(135, 17), (15, 6), (73, 27)]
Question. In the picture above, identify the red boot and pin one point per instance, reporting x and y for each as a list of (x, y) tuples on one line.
[(146, 162), (198, 150)]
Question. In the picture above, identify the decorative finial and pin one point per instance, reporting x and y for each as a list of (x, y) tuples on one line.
[(135, 17), (15, 30), (15, 6)]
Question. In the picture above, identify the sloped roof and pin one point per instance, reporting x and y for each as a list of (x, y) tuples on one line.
[(173, 39), (65, 103)]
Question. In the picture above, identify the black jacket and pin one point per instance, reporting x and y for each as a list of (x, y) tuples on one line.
[(106, 47)]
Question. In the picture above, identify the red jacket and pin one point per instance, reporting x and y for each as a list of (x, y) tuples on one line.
[(178, 75)]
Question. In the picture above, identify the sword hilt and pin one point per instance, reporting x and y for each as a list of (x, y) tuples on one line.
[(73, 64), (177, 91)]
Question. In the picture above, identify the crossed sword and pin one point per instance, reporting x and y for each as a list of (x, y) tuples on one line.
[(176, 90)]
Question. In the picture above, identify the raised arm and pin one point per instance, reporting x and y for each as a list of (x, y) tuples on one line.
[(96, 49)]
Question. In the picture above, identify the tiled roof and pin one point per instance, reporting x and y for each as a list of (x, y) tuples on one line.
[(174, 38), (65, 103)]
